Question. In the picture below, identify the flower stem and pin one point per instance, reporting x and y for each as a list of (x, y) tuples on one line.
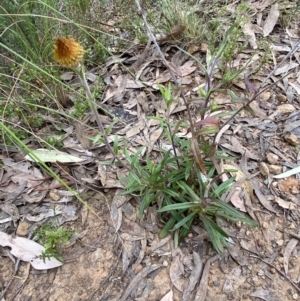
[(90, 98)]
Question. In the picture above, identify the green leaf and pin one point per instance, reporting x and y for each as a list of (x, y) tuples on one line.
[(232, 213), (185, 187), (170, 192), (188, 169), (180, 206), (224, 187), (225, 40), (216, 234), (185, 231), (176, 239), (146, 201), (184, 222), (46, 155), (167, 228), (202, 92), (207, 130), (236, 99)]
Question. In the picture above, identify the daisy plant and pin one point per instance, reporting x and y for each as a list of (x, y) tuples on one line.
[(69, 54)]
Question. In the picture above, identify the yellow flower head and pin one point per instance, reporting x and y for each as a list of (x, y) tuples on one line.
[(67, 52)]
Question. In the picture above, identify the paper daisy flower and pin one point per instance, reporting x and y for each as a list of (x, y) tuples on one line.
[(67, 52)]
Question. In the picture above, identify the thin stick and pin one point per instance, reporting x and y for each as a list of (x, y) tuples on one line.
[(152, 37), (97, 116), (11, 280), (261, 89), (293, 50), (278, 271), (106, 279), (14, 274)]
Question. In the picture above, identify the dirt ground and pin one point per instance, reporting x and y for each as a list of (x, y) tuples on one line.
[(93, 268)]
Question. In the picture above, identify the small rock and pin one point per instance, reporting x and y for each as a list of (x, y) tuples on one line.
[(272, 158), (105, 297), (239, 224), (294, 190), (260, 273), (286, 108), (280, 259), (216, 283), (148, 250), (203, 47), (273, 271), (55, 197), (291, 139), (264, 169), (265, 225), (22, 228), (198, 80), (292, 226), (280, 243), (255, 280), (275, 184), (281, 97), (165, 263), (275, 169), (295, 296), (261, 243), (265, 96)]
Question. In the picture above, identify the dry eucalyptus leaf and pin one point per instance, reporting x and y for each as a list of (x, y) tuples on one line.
[(67, 75), (236, 200), (142, 274), (116, 210), (249, 31), (285, 204), (194, 278), (271, 20), (285, 68), (29, 251), (168, 296), (265, 295), (82, 137), (261, 197), (287, 253), (202, 288), (127, 253), (234, 280), (141, 255), (177, 269)]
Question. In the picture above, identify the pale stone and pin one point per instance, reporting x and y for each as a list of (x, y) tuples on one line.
[(281, 97), (55, 197), (291, 139), (286, 108), (272, 158), (275, 169), (280, 243), (263, 168), (22, 229)]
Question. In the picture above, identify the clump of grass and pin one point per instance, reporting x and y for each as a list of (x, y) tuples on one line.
[(203, 21), (53, 239), (184, 186), (289, 14)]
